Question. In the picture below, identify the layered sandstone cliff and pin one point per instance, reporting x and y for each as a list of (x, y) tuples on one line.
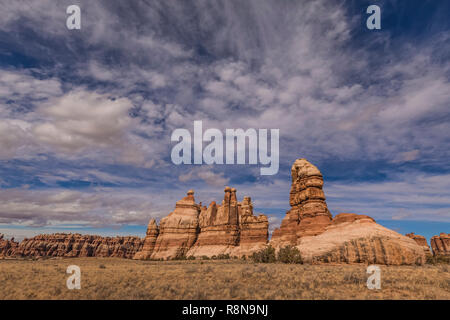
[(76, 245), (421, 241), (348, 238), (194, 230), (441, 244)]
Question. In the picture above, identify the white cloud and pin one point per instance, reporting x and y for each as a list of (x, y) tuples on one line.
[(94, 208), (81, 119), (208, 176)]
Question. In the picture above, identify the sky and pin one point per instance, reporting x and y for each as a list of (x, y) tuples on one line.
[(86, 116)]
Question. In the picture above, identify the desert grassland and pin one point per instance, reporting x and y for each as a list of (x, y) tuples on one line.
[(111, 278)]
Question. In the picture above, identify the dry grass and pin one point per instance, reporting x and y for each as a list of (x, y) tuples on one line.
[(110, 278)]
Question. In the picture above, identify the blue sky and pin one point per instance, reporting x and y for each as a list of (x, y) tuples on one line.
[(86, 115)]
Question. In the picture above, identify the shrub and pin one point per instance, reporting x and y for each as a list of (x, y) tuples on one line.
[(205, 258), (266, 255), (191, 258), (289, 254), (223, 256), (180, 256)]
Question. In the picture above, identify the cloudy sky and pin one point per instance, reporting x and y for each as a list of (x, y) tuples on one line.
[(86, 115)]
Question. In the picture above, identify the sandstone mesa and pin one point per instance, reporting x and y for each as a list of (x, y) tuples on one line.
[(231, 228)]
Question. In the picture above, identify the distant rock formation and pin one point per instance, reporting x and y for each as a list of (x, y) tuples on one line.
[(76, 245), (421, 241), (441, 244), (194, 230), (348, 238), (7, 246)]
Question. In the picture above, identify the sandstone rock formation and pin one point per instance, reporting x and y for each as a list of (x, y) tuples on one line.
[(309, 214), (178, 231), (441, 244), (348, 237), (7, 246), (421, 241), (194, 230), (352, 238), (76, 245), (149, 242), (230, 228), (254, 229)]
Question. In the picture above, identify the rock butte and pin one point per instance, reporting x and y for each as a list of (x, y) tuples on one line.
[(231, 228)]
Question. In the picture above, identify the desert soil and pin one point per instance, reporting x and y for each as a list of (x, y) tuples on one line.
[(111, 278)]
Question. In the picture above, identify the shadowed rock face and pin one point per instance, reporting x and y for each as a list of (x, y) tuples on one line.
[(76, 245), (421, 241), (441, 244), (194, 230), (348, 238)]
